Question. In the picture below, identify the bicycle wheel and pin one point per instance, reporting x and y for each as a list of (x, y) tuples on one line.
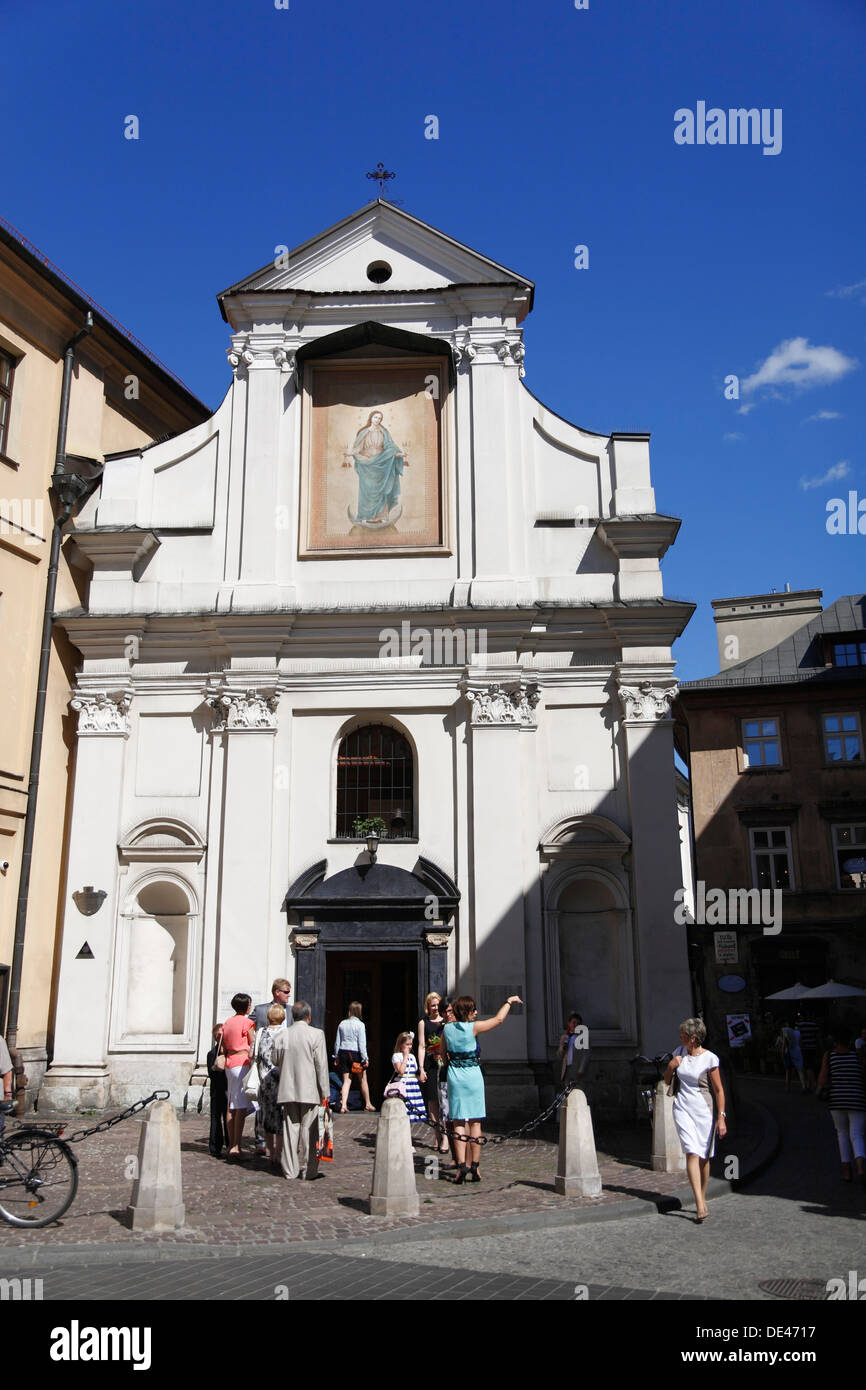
[(38, 1178)]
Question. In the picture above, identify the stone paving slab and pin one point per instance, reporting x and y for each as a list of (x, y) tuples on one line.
[(247, 1203), (307, 1277)]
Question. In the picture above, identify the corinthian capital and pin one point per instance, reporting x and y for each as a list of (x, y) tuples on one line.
[(464, 352), (285, 359), (512, 702), (647, 702), (102, 711), (244, 709)]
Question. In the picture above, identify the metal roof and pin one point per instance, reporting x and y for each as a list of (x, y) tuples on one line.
[(800, 656)]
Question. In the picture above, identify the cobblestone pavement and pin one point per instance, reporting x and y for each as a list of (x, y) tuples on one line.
[(509, 1238), (796, 1221), (238, 1203)]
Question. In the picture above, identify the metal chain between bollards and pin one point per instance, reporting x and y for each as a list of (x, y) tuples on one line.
[(80, 1134), (530, 1124)]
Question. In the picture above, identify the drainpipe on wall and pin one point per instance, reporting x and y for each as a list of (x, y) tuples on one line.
[(68, 488)]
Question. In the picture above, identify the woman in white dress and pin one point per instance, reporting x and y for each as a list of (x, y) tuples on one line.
[(697, 1073)]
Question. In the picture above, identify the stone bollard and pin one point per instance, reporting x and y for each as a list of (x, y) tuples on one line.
[(394, 1192), (577, 1172), (668, 1156), (157, 1197)]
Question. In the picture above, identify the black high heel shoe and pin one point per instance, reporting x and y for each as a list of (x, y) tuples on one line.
[(474, 1175), (461, 1176)]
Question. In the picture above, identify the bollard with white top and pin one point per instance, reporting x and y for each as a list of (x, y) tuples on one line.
[(577, 1172), (668, 1156), (157, 1197), (394, 1192)]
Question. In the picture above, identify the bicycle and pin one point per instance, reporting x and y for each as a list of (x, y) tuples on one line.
[(38, 1175)]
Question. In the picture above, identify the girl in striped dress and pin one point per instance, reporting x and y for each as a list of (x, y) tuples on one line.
[(840, 1071), (406, 1066)]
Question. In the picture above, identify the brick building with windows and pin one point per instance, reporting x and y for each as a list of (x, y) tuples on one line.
[(776, 754), (118, 397)]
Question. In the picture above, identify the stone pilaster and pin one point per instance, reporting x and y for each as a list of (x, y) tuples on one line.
[(664, 992), (501, 711), (79, 1077), (246, 719)]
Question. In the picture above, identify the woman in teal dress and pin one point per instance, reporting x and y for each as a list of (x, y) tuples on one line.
[(465, 1083)]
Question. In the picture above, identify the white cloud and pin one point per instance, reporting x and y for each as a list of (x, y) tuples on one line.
[(733, 436), (799, 364), (857, 291), (824, 415), (833, 474), (744, 409)]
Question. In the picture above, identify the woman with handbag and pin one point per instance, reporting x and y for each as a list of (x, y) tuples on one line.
[(237, 1047), (693, 1078), (430, 1065), (216, 1063), (269, 1081), (841, 1072), (406, 1071), (350, 1055)]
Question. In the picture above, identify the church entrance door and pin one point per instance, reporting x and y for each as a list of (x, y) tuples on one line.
[(385, 984)]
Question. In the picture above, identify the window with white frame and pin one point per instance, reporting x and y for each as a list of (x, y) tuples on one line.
[(7, 373), (772, 860), (762, 746), (849, 843), (842, 740)]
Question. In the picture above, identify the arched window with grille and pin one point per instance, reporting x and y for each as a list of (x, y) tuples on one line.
[(375, 784)]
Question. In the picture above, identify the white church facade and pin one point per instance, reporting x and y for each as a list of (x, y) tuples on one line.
[(381, 591)]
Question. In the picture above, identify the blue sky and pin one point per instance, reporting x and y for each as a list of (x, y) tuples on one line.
[(556, 129)]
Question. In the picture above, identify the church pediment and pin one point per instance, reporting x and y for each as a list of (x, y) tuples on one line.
[(380, 248)]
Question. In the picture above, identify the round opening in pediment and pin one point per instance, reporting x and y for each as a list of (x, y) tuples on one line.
[(379, 272)]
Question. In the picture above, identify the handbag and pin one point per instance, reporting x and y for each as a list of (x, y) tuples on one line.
[(251, 1080), (673, 1088), (325, 1141), (357, 1068), (396, 1088), (219, 1061)]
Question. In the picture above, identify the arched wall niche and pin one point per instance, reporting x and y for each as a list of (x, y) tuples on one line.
[(157, 942), (588, 930)]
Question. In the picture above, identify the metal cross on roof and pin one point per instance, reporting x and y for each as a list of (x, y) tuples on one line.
[(381, 173)]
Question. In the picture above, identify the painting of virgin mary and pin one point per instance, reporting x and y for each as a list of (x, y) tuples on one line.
[(363, 423), (379, 465)]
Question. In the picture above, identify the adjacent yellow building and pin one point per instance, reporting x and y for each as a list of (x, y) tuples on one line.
[(120, 398)]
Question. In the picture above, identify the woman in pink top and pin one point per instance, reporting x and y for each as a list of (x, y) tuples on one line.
[(237, 1044)]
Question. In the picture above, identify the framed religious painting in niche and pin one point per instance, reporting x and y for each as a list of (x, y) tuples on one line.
[(373, 457)]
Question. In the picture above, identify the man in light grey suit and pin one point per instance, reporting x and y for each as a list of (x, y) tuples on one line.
[(302, 1057)]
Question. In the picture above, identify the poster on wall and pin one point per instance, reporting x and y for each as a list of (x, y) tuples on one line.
[(739, 1029), (726, 947), (372, 470)]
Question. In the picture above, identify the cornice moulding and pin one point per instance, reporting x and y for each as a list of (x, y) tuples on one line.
[(120, 549)]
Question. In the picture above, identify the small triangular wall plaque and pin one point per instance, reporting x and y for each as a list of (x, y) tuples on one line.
[(85, 953)]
